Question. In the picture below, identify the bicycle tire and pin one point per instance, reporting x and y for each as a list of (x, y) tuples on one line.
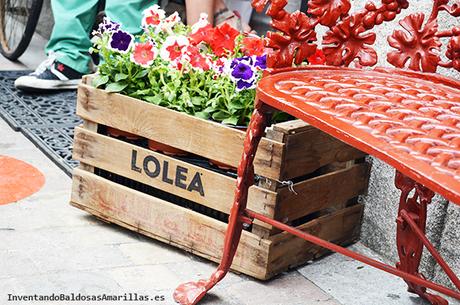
[(14, 52)]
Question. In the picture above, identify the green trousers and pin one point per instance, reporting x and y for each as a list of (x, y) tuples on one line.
[(73, 22)]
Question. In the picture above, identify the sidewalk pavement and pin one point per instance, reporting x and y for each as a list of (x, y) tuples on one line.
[(48, 247)]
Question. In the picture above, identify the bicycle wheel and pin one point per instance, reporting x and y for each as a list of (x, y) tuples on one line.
[(18, 19)]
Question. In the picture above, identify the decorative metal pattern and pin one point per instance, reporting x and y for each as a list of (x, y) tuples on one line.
[(350, 37), (408, 119), (410, 235), (46, 119), (55, 143)]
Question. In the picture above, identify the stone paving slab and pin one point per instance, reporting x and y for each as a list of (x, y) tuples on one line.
[(354, 283)]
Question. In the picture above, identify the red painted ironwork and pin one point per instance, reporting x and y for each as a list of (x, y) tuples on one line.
[(350, 36), (410, 120), (412, 214), (192, 292)]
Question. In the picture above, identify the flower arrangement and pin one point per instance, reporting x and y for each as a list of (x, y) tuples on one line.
[(205, 71)]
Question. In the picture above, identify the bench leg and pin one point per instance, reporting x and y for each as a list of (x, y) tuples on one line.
[(191, 293), (410, 234)]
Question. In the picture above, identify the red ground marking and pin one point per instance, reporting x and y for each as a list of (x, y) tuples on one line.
[(18, 180)]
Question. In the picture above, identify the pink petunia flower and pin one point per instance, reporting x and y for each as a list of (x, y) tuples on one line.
[(144, 54)]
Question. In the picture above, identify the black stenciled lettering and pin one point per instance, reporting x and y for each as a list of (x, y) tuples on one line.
[(196, 185), (134, 162), (165, 173), (150, 173), (180, 177)]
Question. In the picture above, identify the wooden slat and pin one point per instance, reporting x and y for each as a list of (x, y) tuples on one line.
[(204, 138), (311, 149), (166, 222), (91, 126), (292, 127), (341, 227), (321, 192), (87, 79), (116, 156)]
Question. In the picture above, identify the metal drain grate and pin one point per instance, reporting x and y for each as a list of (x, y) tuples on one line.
[(47, 120)]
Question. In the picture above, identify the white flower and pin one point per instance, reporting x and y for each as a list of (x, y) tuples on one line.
[(153, 16), (174, 47), (170, 22), (201, 23)]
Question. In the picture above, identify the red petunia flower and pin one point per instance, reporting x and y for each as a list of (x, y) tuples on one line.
[(223, 40), (205, 34), (173, 48), (144, 54), (253, 46), (318, 58), (153, 16), (202, 30), (196, 59)]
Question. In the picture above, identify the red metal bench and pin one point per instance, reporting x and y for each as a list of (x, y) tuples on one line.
[(410, 120)]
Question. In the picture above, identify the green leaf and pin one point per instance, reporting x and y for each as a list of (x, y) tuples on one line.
[(120, 76), (231, 121), (142, 92), (116, 87), (141, 73), (176, 83), (154, 99), (100, 80), (197, 101), (202, 115), (220, 116)]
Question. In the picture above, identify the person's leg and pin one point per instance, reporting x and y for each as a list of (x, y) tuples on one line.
[(67, 49), (244, 8), (195, 7), (128, 13), (73, 21)]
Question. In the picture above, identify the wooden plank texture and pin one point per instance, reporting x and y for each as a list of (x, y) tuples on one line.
[(292, 127), (168, 174), (341, 227), (310, 149), (166, 222), (202, 137), (321, 192)]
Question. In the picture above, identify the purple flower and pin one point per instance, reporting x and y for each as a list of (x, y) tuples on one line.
[(107, 25), (121, 41), (245, 59), (261, 62), (241, 85), (242, 71)]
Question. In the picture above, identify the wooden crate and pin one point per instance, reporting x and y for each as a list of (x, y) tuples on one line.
[(186, 204)]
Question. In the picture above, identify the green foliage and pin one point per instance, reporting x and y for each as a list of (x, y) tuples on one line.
[(210, 94)]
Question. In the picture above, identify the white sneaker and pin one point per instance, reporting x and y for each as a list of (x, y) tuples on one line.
[(50, 75)]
